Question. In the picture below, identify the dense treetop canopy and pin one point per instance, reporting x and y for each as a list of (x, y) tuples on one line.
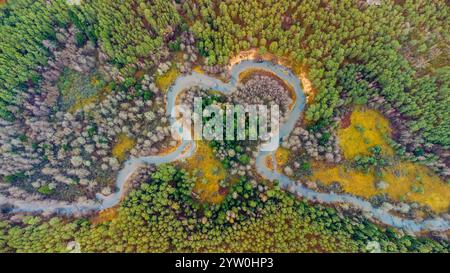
[(353, 52)]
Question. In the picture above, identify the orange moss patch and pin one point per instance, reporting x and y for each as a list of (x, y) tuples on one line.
[(243, 55), (164, 81), (281, 158), (169, 149), (104, 216), (407, 182), (139, 74), (308, 88), (123, 145), (209, 172), (244, 75), (367, 129), (269, 162), (302, 73)]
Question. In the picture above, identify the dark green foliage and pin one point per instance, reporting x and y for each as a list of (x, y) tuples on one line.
[(306, 166), (75, 87), (244, 159), (80, 39), (175, 45), (132, 30), (323, 140), (375, 161), (24, 24), (15, 177), (425, 103), (128, 31), (351, 51), (46, 190), (332, 39), (153, 219)]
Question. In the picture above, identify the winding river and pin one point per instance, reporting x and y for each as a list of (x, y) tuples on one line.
[(187, 148)]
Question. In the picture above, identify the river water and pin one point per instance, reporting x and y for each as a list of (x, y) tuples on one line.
[(187, 148)]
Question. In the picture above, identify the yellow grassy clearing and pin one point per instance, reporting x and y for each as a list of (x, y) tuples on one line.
[(163, 82), (209, 169), (368, 128), (415, 182), (198, 69), (123, 145), (282, 156), (419, 184), (412, 179)]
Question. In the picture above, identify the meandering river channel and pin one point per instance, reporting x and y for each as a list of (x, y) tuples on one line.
[(187, 148)]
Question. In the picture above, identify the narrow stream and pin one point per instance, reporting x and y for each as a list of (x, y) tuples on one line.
[(187, 148)]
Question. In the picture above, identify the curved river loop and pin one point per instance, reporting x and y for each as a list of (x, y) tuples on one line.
[(187, 148)]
